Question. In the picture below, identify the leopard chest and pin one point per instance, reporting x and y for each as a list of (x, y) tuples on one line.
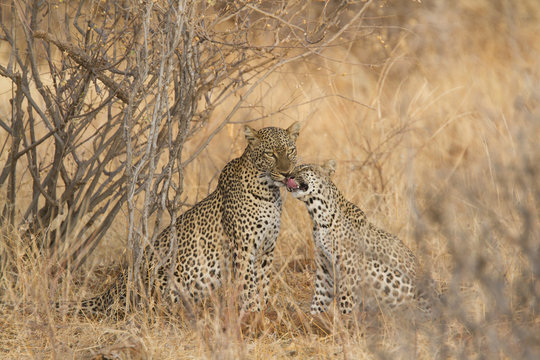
[(252, 209), (266, 221), (333, 233)]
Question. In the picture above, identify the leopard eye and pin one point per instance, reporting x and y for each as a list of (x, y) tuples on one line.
[(270, 154)]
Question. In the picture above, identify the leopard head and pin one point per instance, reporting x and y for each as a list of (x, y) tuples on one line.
[(311, 180), (272, 150)]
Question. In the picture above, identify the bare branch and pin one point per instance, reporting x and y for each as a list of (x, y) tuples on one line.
[(82, 59)]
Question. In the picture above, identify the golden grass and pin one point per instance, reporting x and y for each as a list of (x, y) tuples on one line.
[(447, 159)]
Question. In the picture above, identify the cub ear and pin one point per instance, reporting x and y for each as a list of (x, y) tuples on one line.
[(294, 130), (329, 167), (250, 133)]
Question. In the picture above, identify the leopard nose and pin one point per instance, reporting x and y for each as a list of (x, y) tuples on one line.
[(286, 170), (286, 174)]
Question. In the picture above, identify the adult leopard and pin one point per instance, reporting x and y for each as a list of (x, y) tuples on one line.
[(235, 226)]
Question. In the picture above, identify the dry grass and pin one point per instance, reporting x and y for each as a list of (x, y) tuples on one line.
[(446, 158)]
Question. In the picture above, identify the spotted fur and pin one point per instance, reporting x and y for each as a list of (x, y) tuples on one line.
[(235, 227), (355, 261)]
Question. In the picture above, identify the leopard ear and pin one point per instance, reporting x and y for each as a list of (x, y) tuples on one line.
[(294, 130), (329, 167), (250, 133)]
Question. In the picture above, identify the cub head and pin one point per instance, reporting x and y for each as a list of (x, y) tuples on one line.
[(272, 150), (311, 179)]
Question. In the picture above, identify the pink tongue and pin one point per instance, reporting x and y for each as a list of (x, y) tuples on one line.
[(291, 184)]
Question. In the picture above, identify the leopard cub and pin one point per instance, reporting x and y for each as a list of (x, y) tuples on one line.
[(356, 262)]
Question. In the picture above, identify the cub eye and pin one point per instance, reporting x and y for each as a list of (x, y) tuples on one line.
[(269, 154)]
